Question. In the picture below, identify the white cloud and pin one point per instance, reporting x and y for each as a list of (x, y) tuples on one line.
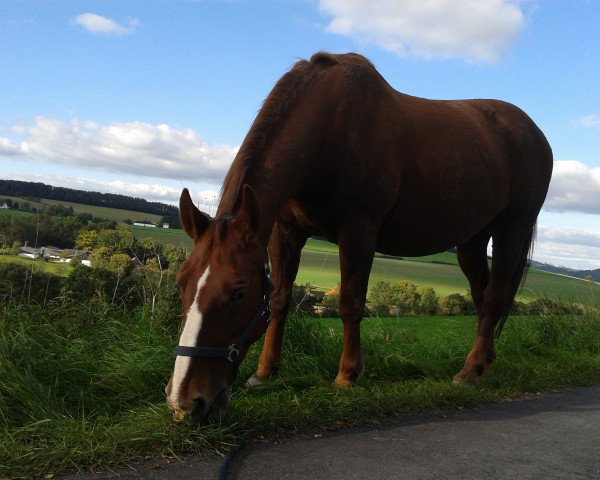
[(98, 24), (576, 248), (9, 148), (206, 199), (135, 148), (472, 29), (575, 187), (569, 236), (589, 121)]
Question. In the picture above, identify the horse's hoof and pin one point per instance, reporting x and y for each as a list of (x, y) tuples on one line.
[(342, 382), (255, 382), (464, 378)]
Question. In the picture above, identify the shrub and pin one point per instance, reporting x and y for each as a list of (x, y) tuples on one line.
[(20, 283), (330, 305), (457, 304), (304, 299), (402, 298), (100, 284)]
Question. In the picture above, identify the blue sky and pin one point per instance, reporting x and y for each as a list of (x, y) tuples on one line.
[(140, 97)]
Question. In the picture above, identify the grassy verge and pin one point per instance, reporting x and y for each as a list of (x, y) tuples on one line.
[(83, 384)]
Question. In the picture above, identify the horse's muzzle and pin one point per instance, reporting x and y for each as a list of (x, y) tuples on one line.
[(200, 409)]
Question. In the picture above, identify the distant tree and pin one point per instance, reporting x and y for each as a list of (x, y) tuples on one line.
[(149, 249), (407, 298), (400, 298), (100, 257), (381, 298), (175, 255), (112, 240), (120, 263), (428, 301), (456, 304), (87, 239)]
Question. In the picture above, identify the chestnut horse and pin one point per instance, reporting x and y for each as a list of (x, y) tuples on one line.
[(335, 151)]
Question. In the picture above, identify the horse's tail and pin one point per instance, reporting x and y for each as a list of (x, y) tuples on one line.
[(519, 276)]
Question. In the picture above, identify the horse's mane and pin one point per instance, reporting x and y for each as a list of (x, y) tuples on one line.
[(274, 110)]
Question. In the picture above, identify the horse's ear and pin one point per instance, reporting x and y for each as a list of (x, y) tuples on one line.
[(249, 212), (193, 220)]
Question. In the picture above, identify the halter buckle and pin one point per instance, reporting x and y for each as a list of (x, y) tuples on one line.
[(233, 353)]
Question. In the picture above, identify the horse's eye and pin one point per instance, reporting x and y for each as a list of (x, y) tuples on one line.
[(237, 294)]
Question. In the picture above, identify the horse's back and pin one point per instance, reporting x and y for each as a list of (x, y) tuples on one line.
[(431, 172)]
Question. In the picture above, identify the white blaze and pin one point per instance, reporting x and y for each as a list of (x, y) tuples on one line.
[(189, 335)]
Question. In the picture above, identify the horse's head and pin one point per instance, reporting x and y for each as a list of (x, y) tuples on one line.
[(224, 289)]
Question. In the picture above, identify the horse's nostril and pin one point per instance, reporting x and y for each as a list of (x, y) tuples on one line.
[(199, 404)]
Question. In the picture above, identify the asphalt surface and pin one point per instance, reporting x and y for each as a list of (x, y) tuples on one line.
[(547, 437)]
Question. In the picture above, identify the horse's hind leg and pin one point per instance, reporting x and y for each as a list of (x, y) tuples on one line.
[(473, 261), (285, 247), (509, 259)]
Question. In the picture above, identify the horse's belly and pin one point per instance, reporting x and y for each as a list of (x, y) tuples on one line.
[(427, 234)]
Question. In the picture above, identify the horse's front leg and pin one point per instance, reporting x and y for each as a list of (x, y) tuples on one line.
[(285, 247), (357, 249)]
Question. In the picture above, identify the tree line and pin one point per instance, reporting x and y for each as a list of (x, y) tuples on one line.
[(36, 190), (407, 299)]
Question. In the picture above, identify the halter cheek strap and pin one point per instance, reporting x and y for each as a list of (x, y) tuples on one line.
[(232, 353)]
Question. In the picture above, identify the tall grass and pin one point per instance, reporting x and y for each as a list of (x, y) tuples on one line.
[(82, 384)]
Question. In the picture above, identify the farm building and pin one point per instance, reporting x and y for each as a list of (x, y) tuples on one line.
[(55, 254), (145, 223)]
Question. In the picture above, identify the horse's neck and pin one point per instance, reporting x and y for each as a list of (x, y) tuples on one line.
[(273, 187), (273, 182)]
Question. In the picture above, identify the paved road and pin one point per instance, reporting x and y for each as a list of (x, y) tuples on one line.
[(547, 437)]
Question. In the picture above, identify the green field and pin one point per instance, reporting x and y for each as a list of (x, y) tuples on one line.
[(174, 236), (320, 267), (115, 214)]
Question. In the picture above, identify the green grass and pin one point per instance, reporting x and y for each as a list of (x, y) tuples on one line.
[(38, 265), (82, 384)]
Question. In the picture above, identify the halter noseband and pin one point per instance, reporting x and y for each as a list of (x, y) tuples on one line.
[(232, 352)]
